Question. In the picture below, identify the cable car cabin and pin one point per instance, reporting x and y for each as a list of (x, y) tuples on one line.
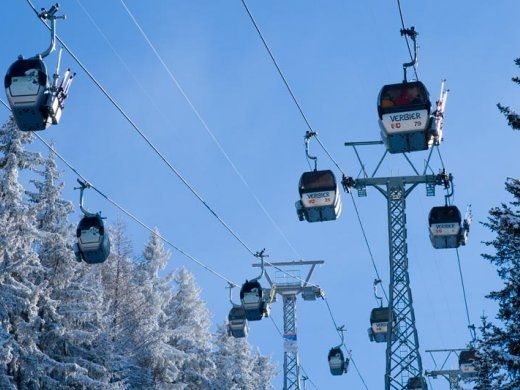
[(237, 322), (379, 320), (404, 117), (26, 85), (467, 362), (446, 227), (93, 244), (253, 303), (319, 197), (35, 101), (417, 383), (337, 363)]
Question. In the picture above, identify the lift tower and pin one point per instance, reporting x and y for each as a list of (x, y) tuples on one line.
[(289, 284), (403, 360)]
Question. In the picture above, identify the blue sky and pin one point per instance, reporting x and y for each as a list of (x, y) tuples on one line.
[(336, 55)]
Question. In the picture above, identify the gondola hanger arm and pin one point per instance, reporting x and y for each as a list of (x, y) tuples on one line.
[(230, 286), (410, 32), (84, 185), (379, 299), (261, 254), (308, 136), (341, 330), (50, 15)]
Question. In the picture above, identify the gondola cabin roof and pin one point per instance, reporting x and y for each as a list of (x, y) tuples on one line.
[(444, 214), (314, 181), (248, 286), (335, 351), (21, 66), (88, 222), (237, 313), (380, 314), (403, 97)]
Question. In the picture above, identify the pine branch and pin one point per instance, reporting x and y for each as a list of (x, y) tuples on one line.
[(513, 119)]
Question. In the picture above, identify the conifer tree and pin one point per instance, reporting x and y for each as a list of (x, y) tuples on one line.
[(512, 117), (263, 371), (189, 321), (498, 357), (22, 278), (499, 346), (233, 361), (152, 333), (237, 367), (122, 302)]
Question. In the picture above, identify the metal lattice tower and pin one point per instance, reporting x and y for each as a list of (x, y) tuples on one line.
[(289, 287), (402, 352), (291, 366), (403, 359)]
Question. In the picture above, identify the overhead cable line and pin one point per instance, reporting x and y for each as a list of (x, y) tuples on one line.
[(368, 244), (147, 140), (177, 173), (257, 28), (471, 327), (358, 372), (119, 57), (143, 136), (128, 213), (295, 100), (206, 126), (126, 66), (329, 155), (406, 38), (286, 83)]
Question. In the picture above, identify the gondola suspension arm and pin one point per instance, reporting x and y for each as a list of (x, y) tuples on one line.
[(230, 286), (410, 32), (50, 15), (379, 298), (308, 136), (84, 185), (260, 254)]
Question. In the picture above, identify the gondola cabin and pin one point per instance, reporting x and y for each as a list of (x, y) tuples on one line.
[(319, 197), (467, 362), (251, 296), (404, 117), (237, 322), (417, 383), (337, 362), (379, 321), (36, 101), (26, 85), (93, 245), (446, 227)]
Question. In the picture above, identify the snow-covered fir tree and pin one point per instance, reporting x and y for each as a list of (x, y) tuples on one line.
[(22, 278), (237, 367), (512, 117), (189, 322), (264, 371), (234, 362), (123, 303), (152, 333), (499, 345)]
